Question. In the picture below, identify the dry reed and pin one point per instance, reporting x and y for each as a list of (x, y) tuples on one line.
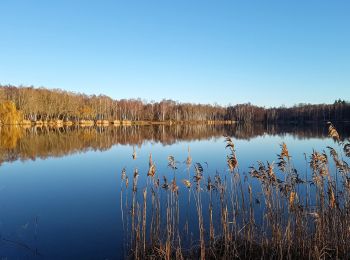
[(274, 214)]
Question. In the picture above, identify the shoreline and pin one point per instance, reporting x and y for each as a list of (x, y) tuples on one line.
[(60, 123), (99, 123)]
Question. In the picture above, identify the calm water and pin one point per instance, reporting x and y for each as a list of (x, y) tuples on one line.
[(60, 189)]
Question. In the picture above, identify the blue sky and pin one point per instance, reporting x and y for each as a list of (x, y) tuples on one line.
[(265, 52)]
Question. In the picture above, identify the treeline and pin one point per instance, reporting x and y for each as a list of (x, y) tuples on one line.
[(336, 112), (44, 104)]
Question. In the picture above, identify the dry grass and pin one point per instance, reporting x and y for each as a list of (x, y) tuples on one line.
[(275, 214)]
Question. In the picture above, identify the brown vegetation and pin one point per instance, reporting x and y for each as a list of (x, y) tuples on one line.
[(9, 115), (299, 218), (45, 105)]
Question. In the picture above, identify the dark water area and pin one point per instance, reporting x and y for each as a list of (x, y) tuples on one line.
[(61, 194)]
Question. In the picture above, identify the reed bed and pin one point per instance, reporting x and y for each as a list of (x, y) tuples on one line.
[(269, 213)]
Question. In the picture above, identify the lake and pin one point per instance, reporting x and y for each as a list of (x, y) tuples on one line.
[(62, 195)]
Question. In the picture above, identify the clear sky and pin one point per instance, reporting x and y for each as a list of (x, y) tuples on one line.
[(264, 52)]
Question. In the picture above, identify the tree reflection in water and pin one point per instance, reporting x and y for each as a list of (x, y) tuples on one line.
[(18, 143)]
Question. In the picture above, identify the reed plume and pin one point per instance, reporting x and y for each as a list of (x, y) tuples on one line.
[(258, 216)]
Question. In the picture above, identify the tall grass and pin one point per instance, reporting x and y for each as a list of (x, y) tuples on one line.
[(274, 214)]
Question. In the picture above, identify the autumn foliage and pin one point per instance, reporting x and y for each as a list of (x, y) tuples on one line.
[(9, 115), (45, 105)]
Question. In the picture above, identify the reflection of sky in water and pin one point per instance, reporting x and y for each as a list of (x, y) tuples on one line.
[(70, 206)]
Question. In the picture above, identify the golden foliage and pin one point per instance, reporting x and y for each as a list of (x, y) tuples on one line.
[(9, 114), (85, 111)]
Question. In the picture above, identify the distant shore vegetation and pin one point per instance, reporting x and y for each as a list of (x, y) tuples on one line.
[(27, 105)]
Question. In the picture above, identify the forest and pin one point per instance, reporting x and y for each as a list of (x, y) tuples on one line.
[(30, 103)]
